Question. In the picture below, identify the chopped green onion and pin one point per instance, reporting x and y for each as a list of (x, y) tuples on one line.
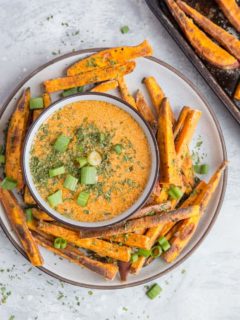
[(8, 184), (144, 253), (156, 251), (82, 199), (70, 182), (154, 291), (102, 137), (56, 171), (29, 215), (69, 92), (164, 243), (60, 243), (124, 29), (175, 192), (201, 169), (2, 159), (88, 175), (205, 168), (118, 148), (134, 257), (94, 158), (82, 161), (55, 198), (61, 143), (36, 103), (81, 89), (80, 147)]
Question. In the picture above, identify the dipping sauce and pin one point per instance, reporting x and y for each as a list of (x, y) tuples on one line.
[(90, 161)]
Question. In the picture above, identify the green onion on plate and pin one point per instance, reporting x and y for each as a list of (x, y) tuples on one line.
[(8, 184)]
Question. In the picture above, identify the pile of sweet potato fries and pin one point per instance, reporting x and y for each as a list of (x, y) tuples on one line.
[(211, 42), (167, 222)]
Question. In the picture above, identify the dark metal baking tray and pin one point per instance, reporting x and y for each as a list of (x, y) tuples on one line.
[(222, 82)]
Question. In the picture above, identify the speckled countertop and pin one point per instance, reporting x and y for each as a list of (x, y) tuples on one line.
[(206, 286)]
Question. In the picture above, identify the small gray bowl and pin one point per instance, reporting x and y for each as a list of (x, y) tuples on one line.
[(118, 103)]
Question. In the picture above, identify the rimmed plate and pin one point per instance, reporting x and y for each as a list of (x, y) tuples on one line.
[(181, 92)]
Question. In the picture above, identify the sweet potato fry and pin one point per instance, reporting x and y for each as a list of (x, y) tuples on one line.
[(191, 200), (178, 125), (105, 86), (167, 230), (46, 101), (145, 222), (185, 135), (237, 92), (123, 270), (102, 248), (93, 76), (107, 270), (15, 136), (203, 45), (110, 57), (27, 197), (41, 215), (145, 110), (211, 187), (227, 40), (161, 206), (130, 239), (185, 162), (169, 171), (231, 10), (155, 92), (186, 228), (162, 197), (17, 220), (124, 92)]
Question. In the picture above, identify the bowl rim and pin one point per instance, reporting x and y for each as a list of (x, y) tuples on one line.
[(153, 176), (208, 228)]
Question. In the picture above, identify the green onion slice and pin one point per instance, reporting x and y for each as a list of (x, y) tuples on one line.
[(60, 243), (8, 184), (154, 291), (2, 159), (29, 215), (134, 257), (69, 92), (102, 137), (164, 243), (201, 169), (70, 183), (175, 192), (82, 161), (88, 175), (144, 253), (82, 199), (55, 199), (94, 158), (124, 29), (118, 148), (156, 251), (56, 171), (81, 89), (61, 143), (36, 103)]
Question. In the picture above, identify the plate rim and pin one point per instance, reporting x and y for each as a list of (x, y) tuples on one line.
[(219, 205)]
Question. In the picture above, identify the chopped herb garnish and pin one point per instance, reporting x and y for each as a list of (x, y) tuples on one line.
[(124, 29)]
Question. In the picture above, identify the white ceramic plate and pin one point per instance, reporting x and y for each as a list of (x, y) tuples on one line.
[(181, 92)]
